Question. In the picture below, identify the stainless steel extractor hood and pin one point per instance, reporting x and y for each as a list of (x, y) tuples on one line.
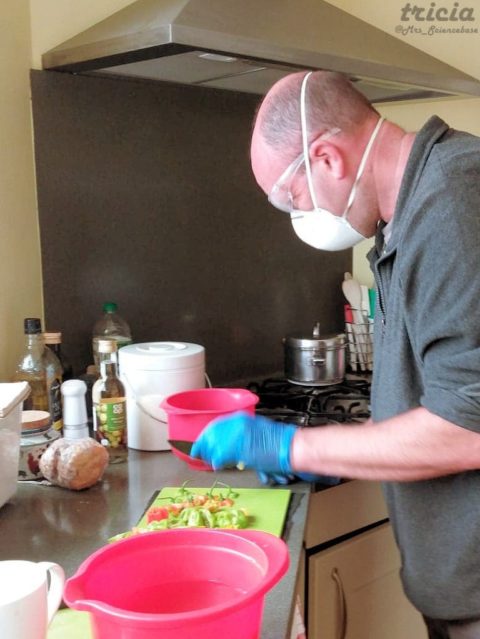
[(247, 45)]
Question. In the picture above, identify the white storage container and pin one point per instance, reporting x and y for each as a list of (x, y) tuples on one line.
[(11, 400), (150, 372)]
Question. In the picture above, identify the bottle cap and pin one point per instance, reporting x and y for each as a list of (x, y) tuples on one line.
[(53, 338), (32, 325), (107, 346), (110, 307)]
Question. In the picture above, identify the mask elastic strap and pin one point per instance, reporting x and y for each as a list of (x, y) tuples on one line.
[(363, 162), (306, 155)]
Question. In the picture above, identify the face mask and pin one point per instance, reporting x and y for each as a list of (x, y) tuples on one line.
[(319, 227)]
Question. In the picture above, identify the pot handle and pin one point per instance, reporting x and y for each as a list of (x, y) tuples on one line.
[(317, 361)]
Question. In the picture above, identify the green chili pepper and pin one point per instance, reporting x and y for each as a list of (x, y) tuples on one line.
[(223, 519), (163, 524), (194, 518), (239, 518), (208, 518)]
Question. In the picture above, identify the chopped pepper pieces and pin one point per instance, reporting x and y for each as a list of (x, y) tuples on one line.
[(187, 509)]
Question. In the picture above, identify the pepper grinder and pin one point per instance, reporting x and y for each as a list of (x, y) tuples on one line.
[(75, 420)]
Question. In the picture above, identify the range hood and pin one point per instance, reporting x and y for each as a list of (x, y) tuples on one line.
[(247, 45)]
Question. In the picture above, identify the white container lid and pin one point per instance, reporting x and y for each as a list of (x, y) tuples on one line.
[(161, 356), (11, 394)]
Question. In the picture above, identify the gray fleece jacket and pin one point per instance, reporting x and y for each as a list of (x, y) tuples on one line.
[(427, 353)]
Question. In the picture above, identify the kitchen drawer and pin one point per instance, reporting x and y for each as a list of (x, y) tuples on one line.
[(343, 509)]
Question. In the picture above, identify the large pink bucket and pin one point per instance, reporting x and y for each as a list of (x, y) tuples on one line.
[(179, 584), (190, 411)]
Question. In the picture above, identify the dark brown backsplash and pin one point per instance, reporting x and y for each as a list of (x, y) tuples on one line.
[(146, 198)]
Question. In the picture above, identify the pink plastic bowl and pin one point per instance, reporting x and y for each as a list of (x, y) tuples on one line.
[(179, 584), (190, 411)]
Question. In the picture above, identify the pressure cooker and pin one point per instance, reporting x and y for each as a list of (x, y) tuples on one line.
[(315, 360)]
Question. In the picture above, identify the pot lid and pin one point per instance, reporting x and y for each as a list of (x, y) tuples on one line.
[(161, 356), (315, 339)]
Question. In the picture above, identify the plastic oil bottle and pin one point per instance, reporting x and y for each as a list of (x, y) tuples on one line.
[(110, 326)]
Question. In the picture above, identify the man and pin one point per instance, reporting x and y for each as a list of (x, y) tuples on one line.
[(323, 155)]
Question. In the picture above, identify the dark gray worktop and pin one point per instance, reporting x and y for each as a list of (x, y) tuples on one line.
[(50, 523)]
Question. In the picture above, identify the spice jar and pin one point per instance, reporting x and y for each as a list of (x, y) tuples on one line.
[(37, 435)]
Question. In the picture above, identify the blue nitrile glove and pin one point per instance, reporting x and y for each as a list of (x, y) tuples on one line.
[(242, 438), (255, 441)]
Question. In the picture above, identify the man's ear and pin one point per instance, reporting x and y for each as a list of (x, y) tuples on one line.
[(328, 157)]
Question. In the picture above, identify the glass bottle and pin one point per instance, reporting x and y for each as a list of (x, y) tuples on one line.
[(54, 373), (31, 367), (54, 341), (40, 367), (109, 404), (110, 326)]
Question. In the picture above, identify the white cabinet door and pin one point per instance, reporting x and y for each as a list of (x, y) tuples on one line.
[(354, 591)]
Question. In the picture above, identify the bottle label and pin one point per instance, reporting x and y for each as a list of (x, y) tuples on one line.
[(56, 404), (111, 421)]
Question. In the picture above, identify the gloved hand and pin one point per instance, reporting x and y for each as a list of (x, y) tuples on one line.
[(256, 442), (253, 441)]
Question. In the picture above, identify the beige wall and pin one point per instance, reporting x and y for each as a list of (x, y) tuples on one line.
[(20, 270), (54, 21)]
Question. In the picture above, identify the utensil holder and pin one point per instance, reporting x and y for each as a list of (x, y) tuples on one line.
[(360, 345)]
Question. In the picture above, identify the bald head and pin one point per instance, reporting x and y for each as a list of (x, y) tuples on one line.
[(332, 102)]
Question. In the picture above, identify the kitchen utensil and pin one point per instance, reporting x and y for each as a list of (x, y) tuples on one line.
[(353, 293), (365, 300), (267, 507), (372, 300), (75, 420), (151, 371), (190, 411), (11, 398), (179, 584), (312, 360), (352, 349), (30, 594)]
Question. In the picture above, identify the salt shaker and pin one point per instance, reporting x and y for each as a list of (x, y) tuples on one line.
[(75, 420)]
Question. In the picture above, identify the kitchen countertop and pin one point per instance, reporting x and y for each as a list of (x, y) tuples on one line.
[(50, 523)]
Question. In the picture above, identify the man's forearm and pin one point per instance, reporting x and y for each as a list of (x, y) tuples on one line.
[(413, 446)]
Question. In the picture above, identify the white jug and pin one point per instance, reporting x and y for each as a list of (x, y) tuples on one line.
[(27, 603)]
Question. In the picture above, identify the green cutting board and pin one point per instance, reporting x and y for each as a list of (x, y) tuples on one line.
[(266, 507), (70, 624)]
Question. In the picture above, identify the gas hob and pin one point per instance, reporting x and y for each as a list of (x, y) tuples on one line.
[(284, 401)]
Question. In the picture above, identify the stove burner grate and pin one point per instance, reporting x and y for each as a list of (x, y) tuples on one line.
[(313, 405)]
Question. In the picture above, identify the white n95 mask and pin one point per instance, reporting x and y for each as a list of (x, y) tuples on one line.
[(324, 230), (319, 227)]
